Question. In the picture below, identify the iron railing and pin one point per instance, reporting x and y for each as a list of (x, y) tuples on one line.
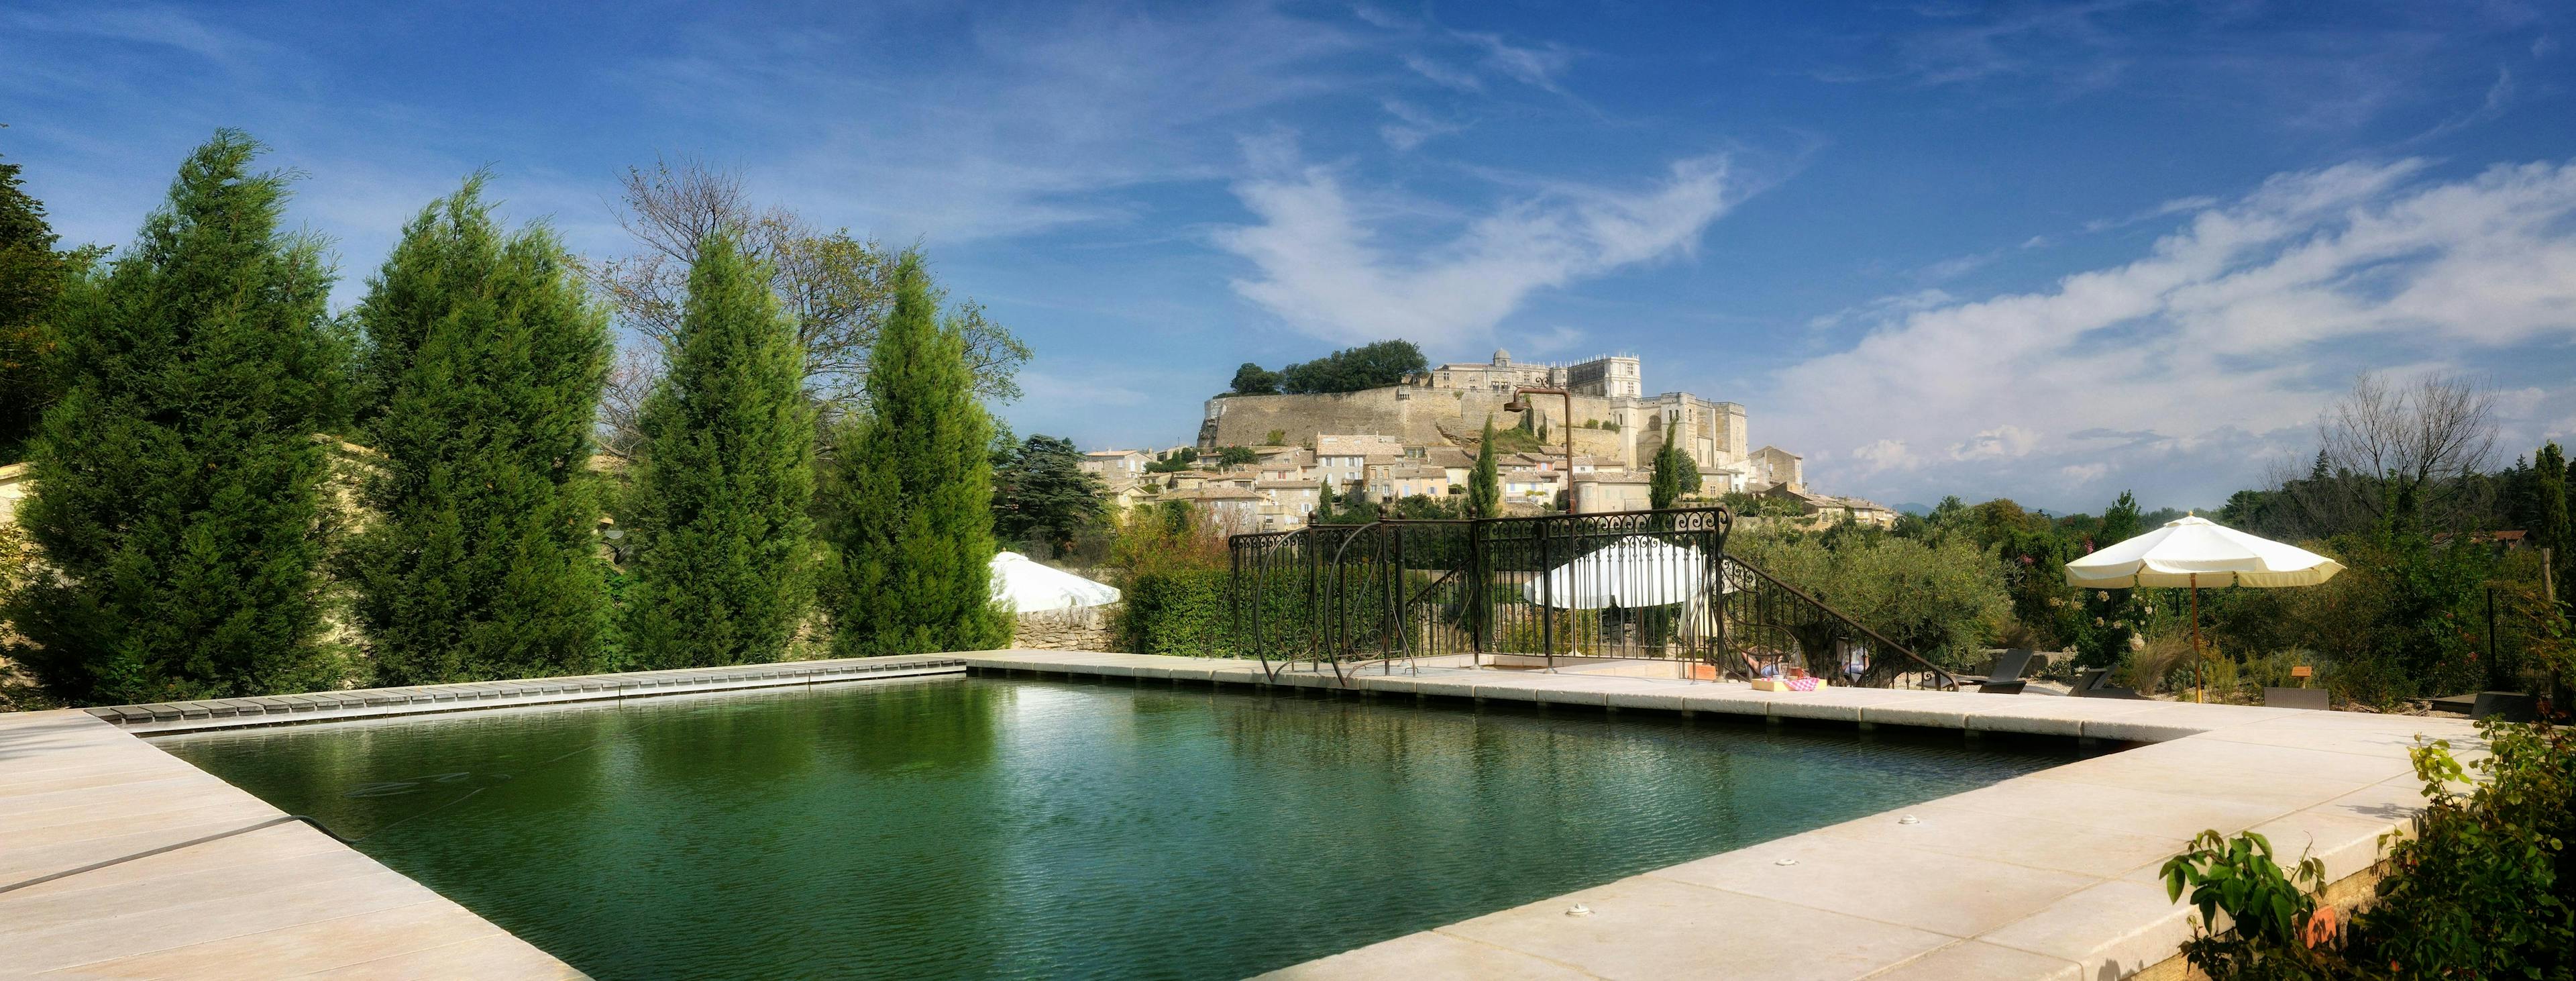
[(1531, 592)]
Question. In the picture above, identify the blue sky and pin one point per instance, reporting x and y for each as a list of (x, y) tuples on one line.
[(2043, 251)]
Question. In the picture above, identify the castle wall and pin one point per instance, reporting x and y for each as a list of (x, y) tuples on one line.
[(1712, 433), (1418, 416)]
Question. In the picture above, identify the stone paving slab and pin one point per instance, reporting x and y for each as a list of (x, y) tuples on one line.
[(2047, 877), (278, 902), (371, 702), (78, 787)]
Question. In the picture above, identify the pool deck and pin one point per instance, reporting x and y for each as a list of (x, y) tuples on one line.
[(77, 788), (2046, 876)]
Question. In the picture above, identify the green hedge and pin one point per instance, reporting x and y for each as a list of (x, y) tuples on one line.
[(1185, 614)]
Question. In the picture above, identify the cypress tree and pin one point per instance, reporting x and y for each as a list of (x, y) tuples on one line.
[(1666, 487), (489, 358), (179, 478), (2554, 531), (1485, 483), (914, 491), (724, 562), (32, 274)]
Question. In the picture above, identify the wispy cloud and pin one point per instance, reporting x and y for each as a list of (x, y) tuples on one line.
[(2173, 207), (2229, 335), (1442, 74), (1413, 125), (2498, 96), (1321, 266), (1535, 66)]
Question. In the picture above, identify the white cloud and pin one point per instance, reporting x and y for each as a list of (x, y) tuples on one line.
[(2001, 442), (1322, 269), (2229, 335), (1884, 455)]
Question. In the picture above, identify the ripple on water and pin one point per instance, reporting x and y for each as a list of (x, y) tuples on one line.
[(978, 828)]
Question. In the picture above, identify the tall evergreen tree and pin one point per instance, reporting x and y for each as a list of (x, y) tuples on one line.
[(1485, 483), (179, 480), (32, 275), (1666, 487), (724, 565), (2553, 530), (913, 495), (490, 359), (1042, 497)]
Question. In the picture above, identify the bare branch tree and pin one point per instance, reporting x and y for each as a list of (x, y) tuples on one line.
[(2381, 443), (621, 402), (838, 288)]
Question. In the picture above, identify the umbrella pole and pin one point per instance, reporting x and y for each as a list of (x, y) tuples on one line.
[(2195, 638)]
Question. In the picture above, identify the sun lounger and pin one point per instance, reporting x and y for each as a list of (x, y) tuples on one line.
[(2006, 678), (2295, 698), (2096, 683)]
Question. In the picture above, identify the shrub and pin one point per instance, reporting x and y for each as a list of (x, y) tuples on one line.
[(2482, 890)]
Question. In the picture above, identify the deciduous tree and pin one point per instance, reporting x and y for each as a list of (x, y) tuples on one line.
[(837, 289)]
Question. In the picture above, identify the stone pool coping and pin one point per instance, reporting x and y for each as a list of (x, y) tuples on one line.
[(268, 710), (78, 787), (2051, 875)]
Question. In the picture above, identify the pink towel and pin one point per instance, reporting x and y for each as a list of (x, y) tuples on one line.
[(1802, 684)]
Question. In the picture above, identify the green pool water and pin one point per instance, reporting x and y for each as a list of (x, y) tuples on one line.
[(981, 828)]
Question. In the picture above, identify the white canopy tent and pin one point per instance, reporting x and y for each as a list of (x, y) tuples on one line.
[(1027, 587), (1632, 572), (2190, 552)]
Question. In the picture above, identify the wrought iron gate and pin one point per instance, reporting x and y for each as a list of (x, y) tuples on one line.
[(1535, 591)]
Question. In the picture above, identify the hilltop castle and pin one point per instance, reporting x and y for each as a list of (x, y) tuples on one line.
[(1613, 421)]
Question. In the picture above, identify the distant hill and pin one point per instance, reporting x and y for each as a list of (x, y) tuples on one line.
[(1917, 510)]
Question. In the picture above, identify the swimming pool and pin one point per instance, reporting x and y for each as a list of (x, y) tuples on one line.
[(973, 827)]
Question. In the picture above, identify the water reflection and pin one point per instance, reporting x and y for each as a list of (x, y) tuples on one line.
[(974, 828)]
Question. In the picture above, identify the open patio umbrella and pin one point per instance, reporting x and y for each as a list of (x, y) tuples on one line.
[(1631, 572), (1027, 587), (2190, 552)]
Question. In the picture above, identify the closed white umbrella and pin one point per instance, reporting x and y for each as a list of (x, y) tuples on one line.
[(2190, 552), (1027, 587), (1632, 572)]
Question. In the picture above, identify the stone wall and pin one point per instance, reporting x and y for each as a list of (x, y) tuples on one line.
[(1418, 416), (1081, 629)]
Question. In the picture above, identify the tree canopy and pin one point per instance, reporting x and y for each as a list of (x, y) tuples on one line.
[(488, 355), (1348, 370), (911, 497), (837, 290), (1042, 496), (32, 275), (723, 568), (180, 475)]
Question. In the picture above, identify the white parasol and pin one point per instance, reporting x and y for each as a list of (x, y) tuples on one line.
[(2190, 552)]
